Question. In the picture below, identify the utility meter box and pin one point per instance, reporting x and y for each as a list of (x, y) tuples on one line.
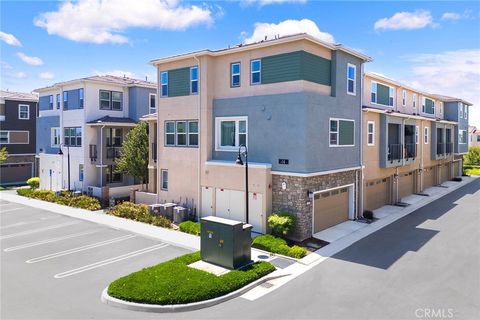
[(225, 242)]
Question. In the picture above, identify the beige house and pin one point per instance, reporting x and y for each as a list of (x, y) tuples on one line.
[(473, 136)]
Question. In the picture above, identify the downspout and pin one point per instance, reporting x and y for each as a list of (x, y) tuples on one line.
[(199, 154), (421, 141), (101, 156), (157, 164), (360, 183)]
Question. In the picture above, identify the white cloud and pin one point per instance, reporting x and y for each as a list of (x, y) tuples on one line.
[(10, 39), (5, 65), (47, 75), (284, 28), (451, 16), (405, 21), (102, 21), (19, 75), (34, 61), (267, 2), (451, 73)]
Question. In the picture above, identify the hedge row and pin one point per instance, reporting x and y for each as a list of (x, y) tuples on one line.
[(65, 198)]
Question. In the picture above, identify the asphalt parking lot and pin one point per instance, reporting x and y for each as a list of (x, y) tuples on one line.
[(54, 266)]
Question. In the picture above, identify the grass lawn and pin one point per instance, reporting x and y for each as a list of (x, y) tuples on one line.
[(173, 282), (473, 172)]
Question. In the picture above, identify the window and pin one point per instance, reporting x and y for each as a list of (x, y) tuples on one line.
[(153, 102), (255, 71), (54, 137), (462, 136), (14, 137), (373, 92), (181, 133), (440, 108), (433, 107), (391, 96), (104, 99), (112, 175), (111, 100), (164, 178), (370, 133), (193, 133), (404, 98), (416, 135), (2, 111), (235, 74), (425, 135), (24, 111), (114, 137), (341, 133), (414, 101), (58, 101), (50, 102), (73, 137), (351, 79), (465, 111), (65, 100), (164, 83), (4, 137), (194, 80), (478, 138), (170, 133), (80, 96), (460, 110), (117, 100), (80, 172), (231, 133)]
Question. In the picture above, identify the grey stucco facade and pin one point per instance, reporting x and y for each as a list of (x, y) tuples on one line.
[(44, 126), (452, 113), (138, 102)]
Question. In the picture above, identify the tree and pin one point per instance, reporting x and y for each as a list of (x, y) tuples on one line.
[(133, 160), (473, 156), (3, 154)]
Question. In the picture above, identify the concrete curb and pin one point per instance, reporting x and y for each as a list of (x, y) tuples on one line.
[(107, 299)]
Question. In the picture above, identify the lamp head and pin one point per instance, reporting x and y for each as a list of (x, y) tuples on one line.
[(239, 160), (60, 152)]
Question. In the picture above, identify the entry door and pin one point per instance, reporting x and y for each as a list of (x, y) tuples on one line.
[(255, 211), (222, 203), (237, 205), (207, 202)]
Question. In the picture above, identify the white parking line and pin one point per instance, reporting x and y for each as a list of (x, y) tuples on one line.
[(55, 226), (109, 261), (79, 249), (25, 223), (3, 212), (38, 243)]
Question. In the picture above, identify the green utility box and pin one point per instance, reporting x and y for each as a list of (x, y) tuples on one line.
[(225, 242)]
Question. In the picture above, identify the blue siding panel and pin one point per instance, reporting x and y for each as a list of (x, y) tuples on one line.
[(139, 102), (44, 103), (44, 124)]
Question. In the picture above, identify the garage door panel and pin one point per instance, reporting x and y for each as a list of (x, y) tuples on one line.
[(15, 172), (445, 172), (330, 208), (428, 177), (377, 193), (406, 184), (456, 169)]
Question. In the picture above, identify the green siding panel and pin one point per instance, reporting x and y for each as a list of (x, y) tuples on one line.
[(179, 82), (346, 132), (383, 94), (298, 65), (429, 106)]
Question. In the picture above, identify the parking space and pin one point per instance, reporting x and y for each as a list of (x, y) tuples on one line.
[(54, 264)]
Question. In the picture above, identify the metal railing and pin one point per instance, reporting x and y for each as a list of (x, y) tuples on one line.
[(394, 152), (93, 152), (448, 147), (410, 150), (440, 148), (113, 152)]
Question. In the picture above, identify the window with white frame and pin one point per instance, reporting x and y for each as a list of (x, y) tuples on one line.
[(4, 137), (164, 83), (416, 135), (404, 98), (117, 99), (80, 172), (373, 92), (342, 133), (23, 111), (14, 137), (230, 133), (105, 99), (50, 102), (73, 137), (181, 133), (111, 100), (164, 179), (391, 96), (370, 133), (351, 79), (462, 136), (81, 98), (2, 111), (170, 133), (425, 135), (193, 80), (460, 110), (414, 101), (465, 111), (58, 101), (255, 71), (235, 74), (54, 137), (152, 102), (65, 100)]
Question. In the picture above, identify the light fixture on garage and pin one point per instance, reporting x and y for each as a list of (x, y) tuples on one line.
[(310, 194)]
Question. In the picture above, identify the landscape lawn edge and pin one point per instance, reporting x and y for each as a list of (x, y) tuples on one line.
[(134, 306)]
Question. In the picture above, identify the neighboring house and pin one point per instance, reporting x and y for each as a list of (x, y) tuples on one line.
[(473, 136), (18, 112), (295, 102), (89, 119), (412, 140)]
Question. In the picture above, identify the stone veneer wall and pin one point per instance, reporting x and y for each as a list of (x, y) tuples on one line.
[(295, 198)]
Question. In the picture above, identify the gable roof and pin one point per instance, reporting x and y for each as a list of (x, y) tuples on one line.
[(18, 96)]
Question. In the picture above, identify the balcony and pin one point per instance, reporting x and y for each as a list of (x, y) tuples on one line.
[(394, 152), (449, 148), (440, 148), (154, 152), (93, 152), (113, 152), (410, 150)]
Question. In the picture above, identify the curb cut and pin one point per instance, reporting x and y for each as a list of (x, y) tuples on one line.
[(134, 306)]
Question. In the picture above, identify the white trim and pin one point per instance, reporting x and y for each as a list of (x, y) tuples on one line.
[(338, 133), (51, 137), (163, 84), (376, 94), (232, 74), (408, 116), (354, 93), (28, 111), (191, 81), (259, 72), (414, 101), (313, 174), (150, 101), (372, 133), (218, 121), (425, 135), (232, 163), (417, 135), (404, 97), (8, 135), (161, 179)]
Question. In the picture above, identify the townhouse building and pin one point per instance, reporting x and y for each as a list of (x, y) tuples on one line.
[(473, 136), (18, 112), (88, 119), (412, 140), (294, 102)]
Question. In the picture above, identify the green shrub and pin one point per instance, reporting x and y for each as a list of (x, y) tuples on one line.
[(45, 195), (473, 156), (282, 223), (84, 202), (278, 245), (24, 192), (138, 212), (34, 182), (161, 221), (190, 227), (174, 282)]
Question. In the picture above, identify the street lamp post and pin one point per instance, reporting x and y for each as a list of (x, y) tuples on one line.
[(60, 152), (240, 162)]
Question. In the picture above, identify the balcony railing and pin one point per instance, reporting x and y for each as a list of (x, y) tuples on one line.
[(394, 152), (113, 152), (410, 150), (154, 152), (93, 152), (448, 148), (440, 148)]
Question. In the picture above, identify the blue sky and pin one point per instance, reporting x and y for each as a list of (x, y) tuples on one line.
[(434, 46)]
